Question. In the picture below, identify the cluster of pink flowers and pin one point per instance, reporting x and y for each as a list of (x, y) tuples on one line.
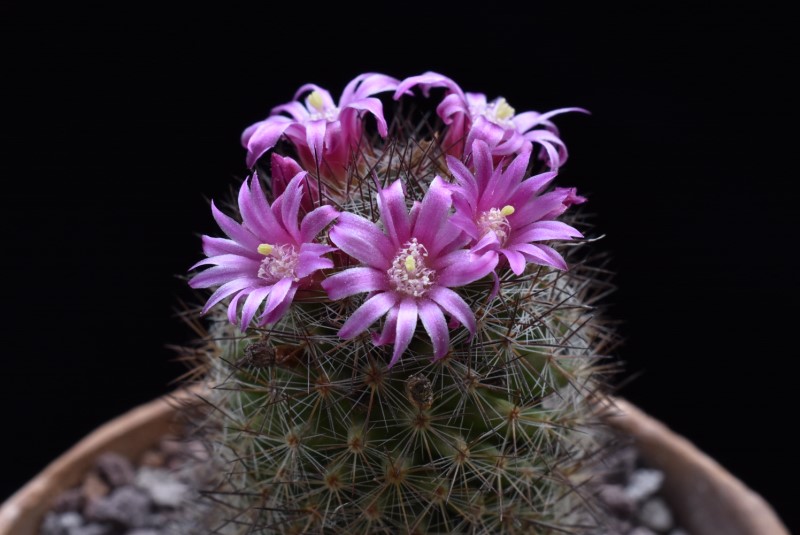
[(484, 216)]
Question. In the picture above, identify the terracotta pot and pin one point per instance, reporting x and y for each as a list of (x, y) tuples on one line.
[(706, 498), (130, 434)]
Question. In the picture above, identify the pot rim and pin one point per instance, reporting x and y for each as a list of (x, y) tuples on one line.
[(730, 507)]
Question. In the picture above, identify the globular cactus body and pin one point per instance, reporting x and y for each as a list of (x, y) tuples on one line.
[(317, 433)]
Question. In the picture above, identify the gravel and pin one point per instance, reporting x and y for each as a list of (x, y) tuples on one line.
[(118, 498), (631, 493)]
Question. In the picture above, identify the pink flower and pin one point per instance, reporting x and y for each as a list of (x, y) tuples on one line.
[(470, 116), (268, 256), (502, 212), (408, 268), (282, 170), (320, 129)]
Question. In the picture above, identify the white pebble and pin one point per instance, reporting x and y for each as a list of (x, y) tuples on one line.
[(162, 486), (70, 520), (643, 484), (656, 515)]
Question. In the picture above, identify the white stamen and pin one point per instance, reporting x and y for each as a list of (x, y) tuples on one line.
[(498, 111), (495, 220), (408, 273), (279, 263)]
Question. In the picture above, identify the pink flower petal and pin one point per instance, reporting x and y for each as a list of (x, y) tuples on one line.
[(406, 324), (251, 304), (227, 289), (367, 314), (488, 242), (279, 291), (463, 267), (527, 120), (541, 254), (273, 315), (228, 260), (244, 267), (449, 238), (259, 140), (546, 230), (512, 143), (290, 207), (219, 246), (315, 138), (465, 179), (389, 329), (314, 222), (515, 260), (531, 187), (486, 131), (465, 223), (234, 230), (249, 208), (273, 230), (366, 85), (234, 305), (374, 107), (432, 215), (297, 111), (453, 304), (555, 148), (283, 169), (450, 108), (426, 81), (355, 280), (507, 182), (436, 327), (309, 262), (477, 101), (482, 161), (394, 214), (534, 210), (361, 239)]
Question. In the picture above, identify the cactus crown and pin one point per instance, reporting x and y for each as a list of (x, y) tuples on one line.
[(395, 345)]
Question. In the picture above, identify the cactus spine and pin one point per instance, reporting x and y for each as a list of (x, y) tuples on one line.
[(315, 434)]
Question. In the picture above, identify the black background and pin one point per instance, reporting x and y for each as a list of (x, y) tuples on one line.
[(117, 127)]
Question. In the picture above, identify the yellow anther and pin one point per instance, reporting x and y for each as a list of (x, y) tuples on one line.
[(507, 210), (315, 100), (411, 264), (265, 249), (502, 110)]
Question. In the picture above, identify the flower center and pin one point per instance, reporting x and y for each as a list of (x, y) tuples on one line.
[(280, 262), (498, 112), (317, 110), (408, 273), (495, 220)]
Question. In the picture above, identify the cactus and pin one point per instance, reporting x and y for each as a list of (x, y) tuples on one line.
[(478, 418)]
